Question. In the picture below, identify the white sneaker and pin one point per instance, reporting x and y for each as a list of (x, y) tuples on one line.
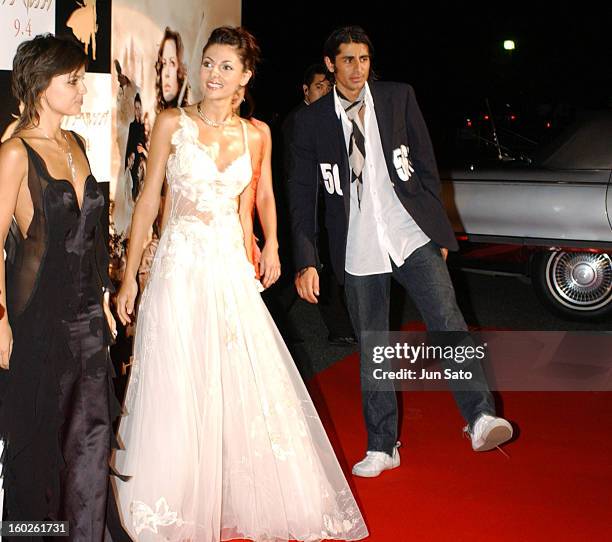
[(376, 462), (489, 432)]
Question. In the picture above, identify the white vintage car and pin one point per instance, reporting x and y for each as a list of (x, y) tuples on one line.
[(559, 204)]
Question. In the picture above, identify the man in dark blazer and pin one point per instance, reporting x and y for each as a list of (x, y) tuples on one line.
[(366, 146), (332, 307)]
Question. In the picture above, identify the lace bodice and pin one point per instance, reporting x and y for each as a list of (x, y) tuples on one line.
[(204, 228), (199, 190)]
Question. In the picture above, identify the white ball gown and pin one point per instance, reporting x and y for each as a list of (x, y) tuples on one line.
[(221, 439)]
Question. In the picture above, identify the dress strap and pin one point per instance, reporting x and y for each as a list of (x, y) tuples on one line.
[(33, 157), (81, 145), (185, 118), (25, 143)]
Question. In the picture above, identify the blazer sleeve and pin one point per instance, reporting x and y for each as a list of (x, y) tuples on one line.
[(287, 131), (302, 188), (421, 149)]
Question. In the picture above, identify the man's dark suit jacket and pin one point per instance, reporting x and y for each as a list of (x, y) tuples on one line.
[(288, 131), (319, 159)]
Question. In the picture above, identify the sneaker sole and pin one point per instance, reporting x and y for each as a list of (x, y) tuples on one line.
[(372, 474), (495, 437)]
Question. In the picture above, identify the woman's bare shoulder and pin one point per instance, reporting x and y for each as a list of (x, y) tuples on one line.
[(168, 117), (259, 132), (261, 126), (13, 160), (166, 123), (13, 150)]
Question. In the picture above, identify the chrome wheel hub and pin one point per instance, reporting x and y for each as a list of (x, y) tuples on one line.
[(580, 280)]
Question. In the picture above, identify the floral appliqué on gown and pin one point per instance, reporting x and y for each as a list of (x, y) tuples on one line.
[(221, 438)]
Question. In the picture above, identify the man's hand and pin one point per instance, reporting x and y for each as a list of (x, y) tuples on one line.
[(444, 252), (307, 284)]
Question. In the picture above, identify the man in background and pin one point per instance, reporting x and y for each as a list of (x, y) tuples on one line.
[(332, 307)]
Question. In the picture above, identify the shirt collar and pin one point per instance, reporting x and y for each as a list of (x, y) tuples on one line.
[(338, 106)]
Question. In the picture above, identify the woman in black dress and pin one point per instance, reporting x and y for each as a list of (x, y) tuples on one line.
[(56, 402)]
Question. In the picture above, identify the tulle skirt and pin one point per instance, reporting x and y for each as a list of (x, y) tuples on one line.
[(221, 439)]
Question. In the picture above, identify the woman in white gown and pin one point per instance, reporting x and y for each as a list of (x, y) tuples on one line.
[(221, 438)]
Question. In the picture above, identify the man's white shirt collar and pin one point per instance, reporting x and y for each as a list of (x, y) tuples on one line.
[(338, 105)]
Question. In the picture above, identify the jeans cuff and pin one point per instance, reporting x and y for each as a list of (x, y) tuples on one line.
[(380, 446)]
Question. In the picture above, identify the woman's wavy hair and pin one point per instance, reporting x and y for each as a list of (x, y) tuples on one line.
[(181, 72), (242, 40)]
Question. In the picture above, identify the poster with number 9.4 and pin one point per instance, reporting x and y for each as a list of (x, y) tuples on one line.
[(21, 20)]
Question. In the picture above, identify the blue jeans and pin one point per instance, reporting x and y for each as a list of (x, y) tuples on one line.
[(425, 277)]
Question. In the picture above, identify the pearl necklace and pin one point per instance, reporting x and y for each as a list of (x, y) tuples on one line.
[(67, 152), (213, 123)]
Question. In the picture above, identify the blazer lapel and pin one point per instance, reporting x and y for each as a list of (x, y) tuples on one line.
[(338, 148), (384, 118), (343, 166)]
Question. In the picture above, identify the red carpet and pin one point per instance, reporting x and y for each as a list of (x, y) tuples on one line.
[(556, 485)]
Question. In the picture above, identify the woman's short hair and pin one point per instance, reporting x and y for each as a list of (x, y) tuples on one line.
[(36, 63)]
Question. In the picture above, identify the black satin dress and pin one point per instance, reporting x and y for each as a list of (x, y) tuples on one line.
[(56, 400)]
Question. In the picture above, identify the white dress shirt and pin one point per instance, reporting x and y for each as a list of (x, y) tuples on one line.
[(382, 230)]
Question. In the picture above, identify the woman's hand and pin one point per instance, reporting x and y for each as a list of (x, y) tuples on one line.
[(6, 343), (110, 319), (269, 265), (126, 299)]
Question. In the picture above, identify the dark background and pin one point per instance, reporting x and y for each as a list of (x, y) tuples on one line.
[(452, 55)]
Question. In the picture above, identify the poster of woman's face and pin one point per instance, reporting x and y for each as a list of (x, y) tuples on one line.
[(171, 71)]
